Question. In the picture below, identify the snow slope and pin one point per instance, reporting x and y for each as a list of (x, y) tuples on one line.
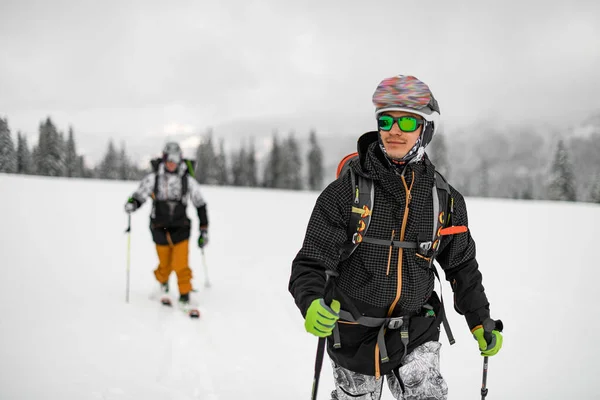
[(67, 333)]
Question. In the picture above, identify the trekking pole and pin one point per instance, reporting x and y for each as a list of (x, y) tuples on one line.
[(128, 231), (484, 390), (318, 366), (489, 325), (206, 280), (321, 343)]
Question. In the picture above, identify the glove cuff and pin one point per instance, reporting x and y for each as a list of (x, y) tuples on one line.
[(477, 317), (476, 327)]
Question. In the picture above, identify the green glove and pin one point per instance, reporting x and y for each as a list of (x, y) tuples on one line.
[(131, 205), (320, 319), (489, 339), (203, 238)]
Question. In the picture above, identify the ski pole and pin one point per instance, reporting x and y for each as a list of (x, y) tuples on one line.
[(206, 280), (489, 325), (128, 231), (318, 366), (321, 343), (484, 390)]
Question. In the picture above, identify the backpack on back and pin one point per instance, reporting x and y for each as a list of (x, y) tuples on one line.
[(362, 210), (190, 164)]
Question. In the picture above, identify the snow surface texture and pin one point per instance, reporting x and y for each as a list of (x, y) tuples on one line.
[(67, 333)]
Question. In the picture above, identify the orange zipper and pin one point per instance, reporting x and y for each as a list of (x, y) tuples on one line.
[(399, 284)]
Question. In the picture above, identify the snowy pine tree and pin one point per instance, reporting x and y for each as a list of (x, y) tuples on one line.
[(49, 155), (527, 193), (205, 160), (24, 159), (315, 163), (291, 164), (222, 173), (35, 157), (484, 178), (562, 180), (62, 145), (124, 165), (595, 189), (82, 170), (238, 172), (252, 179), (71, 160), (243, 166), (8, 154), (273, 173), (109, 167)]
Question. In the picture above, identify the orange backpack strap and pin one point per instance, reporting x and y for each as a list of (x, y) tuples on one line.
[(345, 164)]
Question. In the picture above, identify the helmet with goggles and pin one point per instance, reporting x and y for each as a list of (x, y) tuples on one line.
[(172, 153), (408, 94)]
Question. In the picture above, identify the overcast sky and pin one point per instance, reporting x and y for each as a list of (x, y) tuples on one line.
[(141, 70)]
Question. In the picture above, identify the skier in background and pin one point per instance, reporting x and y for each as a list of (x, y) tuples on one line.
[(168, 185)]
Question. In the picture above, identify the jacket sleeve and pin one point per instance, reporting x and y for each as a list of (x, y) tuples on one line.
[(325, 233), (457, 259), (198, 201), (145, 189)]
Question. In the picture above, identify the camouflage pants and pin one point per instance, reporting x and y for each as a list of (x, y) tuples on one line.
[(420, 379)]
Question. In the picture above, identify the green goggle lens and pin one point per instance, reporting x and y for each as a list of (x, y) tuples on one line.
[(405, 123)]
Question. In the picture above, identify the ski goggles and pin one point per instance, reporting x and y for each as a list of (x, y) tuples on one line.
[(174, 157), (406, 123)]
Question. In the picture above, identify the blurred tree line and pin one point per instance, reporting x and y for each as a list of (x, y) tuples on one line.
[(282, 167), (522, 164), (56, 155)]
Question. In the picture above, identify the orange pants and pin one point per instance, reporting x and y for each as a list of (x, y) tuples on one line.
[(174, 258)]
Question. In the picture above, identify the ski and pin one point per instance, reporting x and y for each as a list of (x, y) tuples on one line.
[(188, 309), (166, 301)]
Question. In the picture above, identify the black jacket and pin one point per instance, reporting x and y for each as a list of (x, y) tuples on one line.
[(373, 280)]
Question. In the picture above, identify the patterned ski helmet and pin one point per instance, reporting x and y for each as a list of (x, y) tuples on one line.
[(172, 152), (407, 93)]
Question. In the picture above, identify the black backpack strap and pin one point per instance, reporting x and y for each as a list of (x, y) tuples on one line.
[(360, 217), (442, 208), (442, 313), (155, 167), (392, 243), (184, 185)]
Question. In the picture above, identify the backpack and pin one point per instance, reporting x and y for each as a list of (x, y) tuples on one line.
[(362, 209), (190, 164), (360, 217)]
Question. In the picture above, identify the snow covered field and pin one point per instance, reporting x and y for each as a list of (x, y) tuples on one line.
[(66, 332)]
